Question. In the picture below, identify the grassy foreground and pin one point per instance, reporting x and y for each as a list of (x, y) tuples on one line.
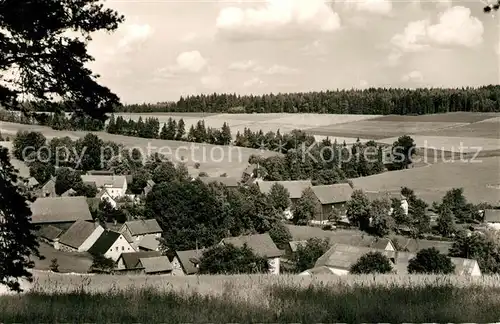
[(247, 299)]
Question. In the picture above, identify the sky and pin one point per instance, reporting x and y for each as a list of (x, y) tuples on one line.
[(166, 49)]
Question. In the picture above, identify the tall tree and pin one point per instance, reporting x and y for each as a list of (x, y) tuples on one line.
[(307, 208), (372, 262), (430, 261), (181, 130), (50, 61), (17, 239), (358, 210), (382, 222), (279, 196), (403, 150), (307, 254), (445, 222)]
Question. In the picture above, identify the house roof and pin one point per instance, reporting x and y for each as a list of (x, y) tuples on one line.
[(104, 242), (463, 267), (303, 233), (227, 181), (93, 203), (49, 232), (32, 182), (68, 193), (150, 183), (492, 215), (48, 187), (78, 233), (295, 244), (413, 246), (143, 226), (59, 209), (114, 181), (343, 256), (185, 257), (149, 242), (318, 271), (261, 244), (379, 195), (100, 172), (250, 169), (156, 264), (332, 194), (295, 188), (131, 260)]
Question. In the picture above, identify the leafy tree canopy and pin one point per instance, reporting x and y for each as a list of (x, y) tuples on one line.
[(430, 261), (372, 262)]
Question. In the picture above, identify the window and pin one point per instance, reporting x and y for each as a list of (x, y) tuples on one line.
[(110, 250), (116, 249), (123, 248)]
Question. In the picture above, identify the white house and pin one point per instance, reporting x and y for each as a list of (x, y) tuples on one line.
[(104, 195), (111, 244), (135, 230), (492, 218), (80, 236), (185, 263), (115, 185), (262, 245)]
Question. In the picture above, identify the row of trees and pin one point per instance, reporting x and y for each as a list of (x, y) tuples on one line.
[(370, 101)]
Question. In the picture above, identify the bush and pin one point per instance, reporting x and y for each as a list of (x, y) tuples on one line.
[(372, 262), (306, 255), (228, 259), (54, 266), (197, 165), (430, 261)]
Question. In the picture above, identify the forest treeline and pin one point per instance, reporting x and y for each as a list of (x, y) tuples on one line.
[(378, 101)]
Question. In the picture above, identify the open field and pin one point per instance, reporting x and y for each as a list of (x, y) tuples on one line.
[(213, 159), (453, 117), (451, 144), (258, 298), (68, 261), (484, 129), (431, 182)]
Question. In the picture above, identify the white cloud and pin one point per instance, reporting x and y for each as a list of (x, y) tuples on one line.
[(211, 81), (135, 33), (192, 62), (413, 76), (253, 82), (456, 27), (277, 17), (243, 65), (315, 48), (382, 7), (280, 69)]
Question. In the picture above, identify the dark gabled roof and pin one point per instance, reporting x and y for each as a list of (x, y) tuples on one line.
[(100, 181), (78, 233), (295, 188), (261, 244), (381, 195), (131, 260), (185, 258), (332, 194), (250, 169), (413, 246), (492, 215), (49, 232), (59, 209), (156, 264), (104, 242), (343, 256), (149, 242), (144, 226), (227, 181)]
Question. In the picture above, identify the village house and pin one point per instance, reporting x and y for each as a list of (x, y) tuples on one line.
[(492, 218), (79, 237), (48, 189), (31, 183), (249, 174), (135, 230), (144, 262), (185, 263), (111, 244), (414, 245), (295, 188), (68, 193), (332, 197), (149, 243), (49, 234), (104, 195), (115, 185), (149, 186), (380, 195), (60, 212), (229, 182), (262, 245)]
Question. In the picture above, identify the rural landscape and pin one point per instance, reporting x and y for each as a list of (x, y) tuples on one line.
[(266, 204)]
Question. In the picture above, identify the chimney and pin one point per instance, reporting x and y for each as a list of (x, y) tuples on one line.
[(114, 221), (56, 244)]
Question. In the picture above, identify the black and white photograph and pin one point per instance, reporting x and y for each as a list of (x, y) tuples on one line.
[(249, 161)]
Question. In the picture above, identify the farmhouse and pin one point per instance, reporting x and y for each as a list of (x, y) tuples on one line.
[(229, 182), (144, 262), (463, 267), (131, 260), (135, 230), (295, 188), (149, 243), (68, 193), (104, 195), (80, 236), (111, 244), (49, 234), (48, 189), (262, 245), (492, 218), (149, 186), (115, 185), (332, 197), (186, 263), (61, 212), (413, 246), (340, 257), (156, 265)]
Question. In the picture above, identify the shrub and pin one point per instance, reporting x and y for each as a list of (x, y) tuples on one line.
[(54, 266), (430, 261), (372, 262)]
